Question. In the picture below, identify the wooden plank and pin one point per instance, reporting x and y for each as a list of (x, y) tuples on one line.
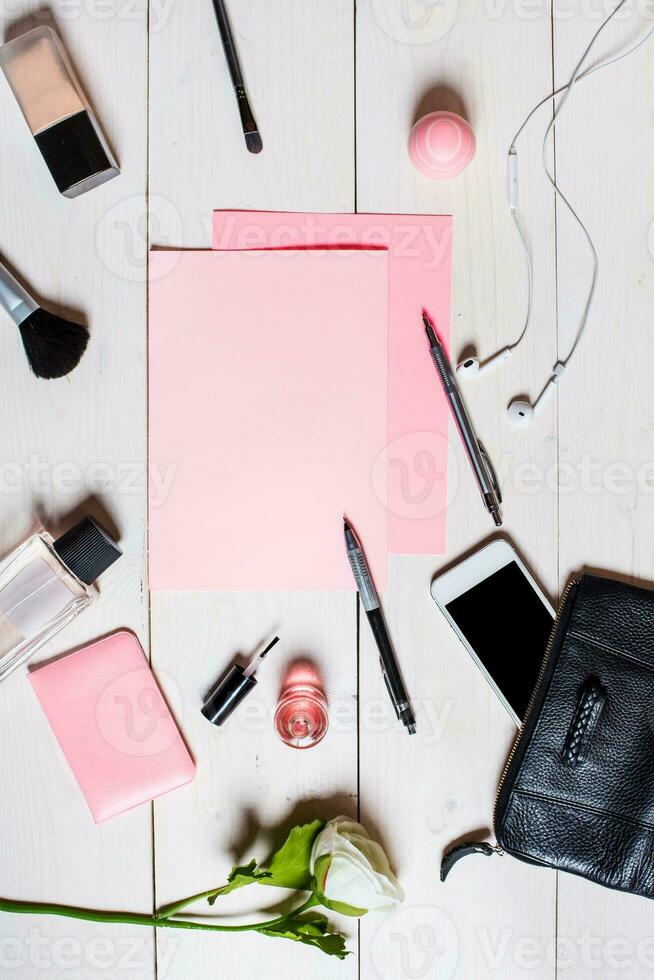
[(250, 788), (423, 793), (606, 403), (63, 442), (298, 62)]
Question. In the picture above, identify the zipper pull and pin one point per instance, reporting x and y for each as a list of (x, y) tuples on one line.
[(455, 854)]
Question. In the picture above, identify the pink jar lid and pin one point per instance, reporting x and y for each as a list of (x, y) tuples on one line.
[(441, 145)]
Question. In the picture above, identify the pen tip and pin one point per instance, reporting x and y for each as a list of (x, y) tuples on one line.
[(429, 330)]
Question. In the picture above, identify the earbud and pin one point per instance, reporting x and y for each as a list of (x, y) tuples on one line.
[(521, 412), (472, 367)]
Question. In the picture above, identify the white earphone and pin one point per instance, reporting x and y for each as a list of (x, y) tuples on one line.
[(472, 367), (521, 411)]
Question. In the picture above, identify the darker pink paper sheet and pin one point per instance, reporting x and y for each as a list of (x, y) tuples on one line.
[(413, 465), (268, 411)]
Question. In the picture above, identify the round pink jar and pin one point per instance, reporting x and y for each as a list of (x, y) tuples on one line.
[(441, 145)]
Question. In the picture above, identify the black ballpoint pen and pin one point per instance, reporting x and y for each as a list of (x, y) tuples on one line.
[(479, 461), (388, 660)]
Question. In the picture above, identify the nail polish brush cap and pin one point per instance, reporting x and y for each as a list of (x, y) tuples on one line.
[(232, 688), (227, 695)]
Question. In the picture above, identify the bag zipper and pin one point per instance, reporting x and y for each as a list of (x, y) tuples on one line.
[(536, 693)]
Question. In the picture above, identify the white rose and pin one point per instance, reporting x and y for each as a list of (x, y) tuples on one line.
[(351, 870)]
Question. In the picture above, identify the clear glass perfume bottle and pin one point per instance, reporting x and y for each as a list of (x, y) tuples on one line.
[(44, 584)]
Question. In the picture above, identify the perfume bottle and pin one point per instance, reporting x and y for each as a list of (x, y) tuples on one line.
[(301, 718), (45, 583)]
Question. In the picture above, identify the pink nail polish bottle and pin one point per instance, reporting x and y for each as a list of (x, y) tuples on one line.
[(301, 718)]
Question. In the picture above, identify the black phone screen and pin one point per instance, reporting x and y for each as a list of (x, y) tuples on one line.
[(506, 624)]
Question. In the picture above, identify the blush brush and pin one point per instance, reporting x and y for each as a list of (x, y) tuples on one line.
[(252, 136), (54, 346)]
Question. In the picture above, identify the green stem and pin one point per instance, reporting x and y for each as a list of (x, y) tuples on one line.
[(138, 919), (167, 910)]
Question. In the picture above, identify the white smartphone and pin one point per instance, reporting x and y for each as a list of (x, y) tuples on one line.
[(502, 617)]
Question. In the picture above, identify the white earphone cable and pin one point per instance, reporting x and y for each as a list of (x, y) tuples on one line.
[(577, 76), (552, 179), (582, 77), (530, 278)]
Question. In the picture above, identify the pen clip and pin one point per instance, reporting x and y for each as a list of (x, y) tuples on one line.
[(491, 470), (388, 688)]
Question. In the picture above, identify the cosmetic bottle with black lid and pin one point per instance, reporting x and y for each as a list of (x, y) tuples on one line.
[(45, 584), (57, 112), (233, 687)]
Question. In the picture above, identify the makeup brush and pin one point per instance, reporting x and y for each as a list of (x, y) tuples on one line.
[(252, 137), (54, 346)]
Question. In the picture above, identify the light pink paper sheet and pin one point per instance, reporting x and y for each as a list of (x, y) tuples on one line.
[(268, 411), (107, 713), (413, 467)]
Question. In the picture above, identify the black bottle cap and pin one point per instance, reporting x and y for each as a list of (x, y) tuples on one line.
[(75, 155), (87, 550), (227, 694)]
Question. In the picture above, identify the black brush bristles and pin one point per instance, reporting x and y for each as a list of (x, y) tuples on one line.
[(54, 346), (254, 142)]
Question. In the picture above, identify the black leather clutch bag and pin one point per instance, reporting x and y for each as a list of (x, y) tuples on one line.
[(577, 792)]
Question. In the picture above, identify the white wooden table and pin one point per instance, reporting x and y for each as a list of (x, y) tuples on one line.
[(336, 85)]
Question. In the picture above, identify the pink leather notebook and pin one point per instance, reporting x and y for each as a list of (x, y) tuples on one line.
[(113, 725)]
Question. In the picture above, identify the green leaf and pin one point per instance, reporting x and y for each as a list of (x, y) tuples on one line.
[(310, 923), (246, 874), (323, 864), (321, 871), (342, 907), (311, 930), (289, 866)]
